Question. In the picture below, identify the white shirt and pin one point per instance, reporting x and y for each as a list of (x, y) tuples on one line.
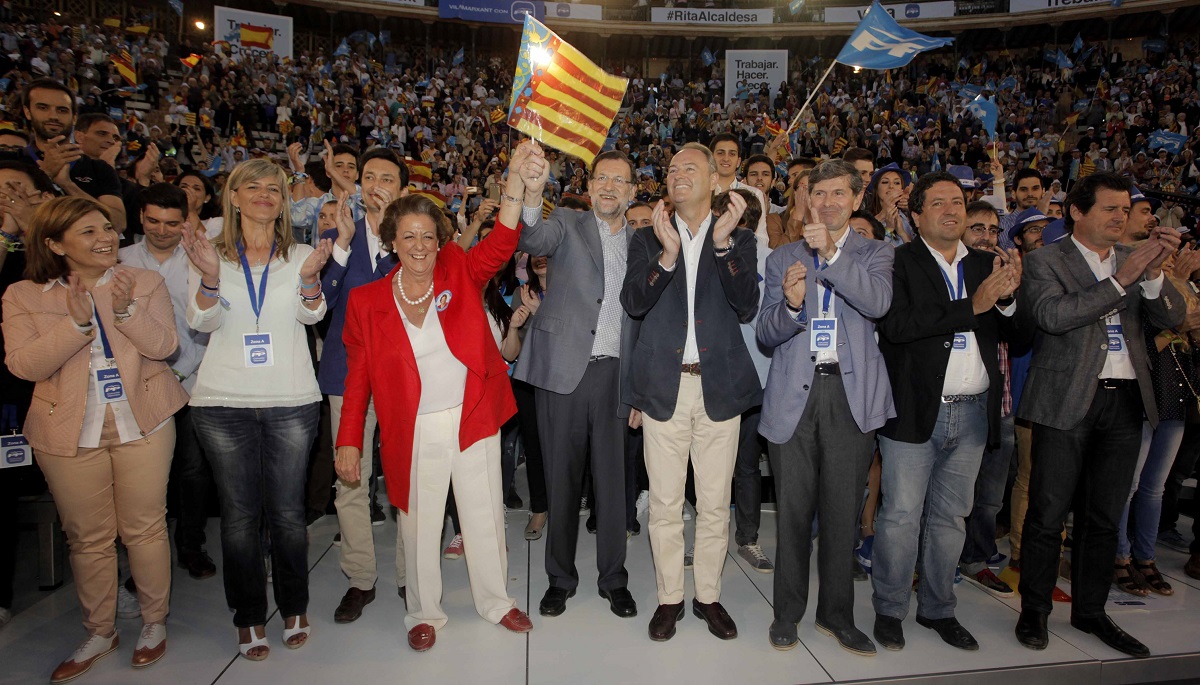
[(443, 376), (175, 271), (374, 246), (830, 355), (691, 247), (965, 372), (1117, 365)]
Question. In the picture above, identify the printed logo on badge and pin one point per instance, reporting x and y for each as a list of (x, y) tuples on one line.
[(14, 456), (823, 339), (258, 355), (960, 341), (442, 300), (112, 391)]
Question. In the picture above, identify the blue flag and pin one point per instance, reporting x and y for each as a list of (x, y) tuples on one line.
[(1171, 142), (176, 5), (458, 57), (985, 111), (1049, 56), (385, 38), (935, 166), (794, 6), (970, 90), (648, 170), (1078, 44), (1009, 83), (880, 43), (1063, 61), (342, 50), (964, 64), (707, 57)]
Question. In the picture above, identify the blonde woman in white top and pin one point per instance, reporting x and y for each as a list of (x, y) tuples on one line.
[(255, 402)]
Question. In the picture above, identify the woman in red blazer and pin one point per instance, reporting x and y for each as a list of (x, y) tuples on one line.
[(419, 345)]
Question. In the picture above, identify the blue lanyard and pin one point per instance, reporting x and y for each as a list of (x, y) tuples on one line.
[(108, 353), (828, 297), (950, 286), (256, 303)]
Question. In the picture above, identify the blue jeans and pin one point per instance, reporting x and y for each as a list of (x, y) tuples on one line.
[(989, 497), (259, 460), (1146, 495), (937, 478)]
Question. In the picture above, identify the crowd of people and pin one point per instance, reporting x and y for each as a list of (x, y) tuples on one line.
[(309, 272)]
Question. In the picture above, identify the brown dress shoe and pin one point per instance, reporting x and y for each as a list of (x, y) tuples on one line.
[(92, 650), (198, 564), (1192, 567), (351, 606), (662, 625), (718, 620), (151, 645), (421, 637)]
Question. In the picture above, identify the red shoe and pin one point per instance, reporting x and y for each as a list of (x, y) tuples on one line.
[(421, 637), (517, 621), (1060, 596)]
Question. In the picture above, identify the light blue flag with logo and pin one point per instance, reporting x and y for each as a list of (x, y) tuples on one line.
[(458, 57), (878, 42), (1077, 45), (1009, 83), (708, 57), (176, 5), (795, 6), (964, 64), (969, 90), (342, 50), (1171, 142), (985, 111), (1063, 61)]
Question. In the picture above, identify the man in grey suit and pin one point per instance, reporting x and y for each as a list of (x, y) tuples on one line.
[(1089, 385), (572, 356), (827, 393)]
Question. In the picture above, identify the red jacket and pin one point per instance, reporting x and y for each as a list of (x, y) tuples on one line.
[(381, 364)]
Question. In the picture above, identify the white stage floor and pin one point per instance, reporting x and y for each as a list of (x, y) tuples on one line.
[(588, 644)]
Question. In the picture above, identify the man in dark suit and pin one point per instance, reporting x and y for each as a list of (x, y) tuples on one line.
[(691, 280), (573, 356), (827, 393), (939, 339), (358, 258), (1089, 386)]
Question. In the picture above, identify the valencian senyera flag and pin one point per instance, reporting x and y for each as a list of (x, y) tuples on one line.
[(560, 97)]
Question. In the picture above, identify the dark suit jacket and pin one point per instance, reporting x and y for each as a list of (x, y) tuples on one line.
[(1069, 307), (916, 335), (336, 283), (726, 296)]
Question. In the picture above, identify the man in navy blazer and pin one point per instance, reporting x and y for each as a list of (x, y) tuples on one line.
[(358, 258), (691, 280), (827, 393)]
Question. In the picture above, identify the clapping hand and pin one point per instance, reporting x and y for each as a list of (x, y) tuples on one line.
[(79, 302), (530, 299), (794, 284), (122, 291), (201, 253), (665, 231), (998, 285), (727, 222), (344, 220), (311, 268), (1187, 261), (519, 317)]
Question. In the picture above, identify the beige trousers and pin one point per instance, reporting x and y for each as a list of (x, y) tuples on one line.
[(712, 446), (116, 489), (353, 503), (475, 475)]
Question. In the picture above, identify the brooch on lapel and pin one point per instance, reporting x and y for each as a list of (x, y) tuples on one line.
[(442, 300)]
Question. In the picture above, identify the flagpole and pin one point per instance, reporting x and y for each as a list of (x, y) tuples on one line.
[(808, 100)]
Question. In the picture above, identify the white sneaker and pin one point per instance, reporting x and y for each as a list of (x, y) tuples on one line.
[(688, 511), (643, 503), (127, 603), (5, 617)]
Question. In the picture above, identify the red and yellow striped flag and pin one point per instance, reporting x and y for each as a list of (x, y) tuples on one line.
[(261, 37), (498, 115), (438, 198), (560, 97), (1036, 162), (1072, 119), (419, 173), (124, 65), (190, 61), (140, 29), (1087, 168)]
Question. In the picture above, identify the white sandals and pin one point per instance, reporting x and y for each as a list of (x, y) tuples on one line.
[(255, 641), (289, 633)]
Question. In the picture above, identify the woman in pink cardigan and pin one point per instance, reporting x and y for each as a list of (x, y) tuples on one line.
[(92, 335)]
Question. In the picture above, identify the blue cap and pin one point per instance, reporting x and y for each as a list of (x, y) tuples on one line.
[(1024, 219), (964, 174), (1054, 231), (1136, 196), (905, 177)]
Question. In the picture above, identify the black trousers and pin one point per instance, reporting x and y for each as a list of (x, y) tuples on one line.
[(1088, 468), (534, 462), (190, 485), (573, 427), (821, 469), (747, 479)]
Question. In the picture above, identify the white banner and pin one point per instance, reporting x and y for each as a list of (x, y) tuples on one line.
[(252, 32), (573, 10), (749, 70), (677, 15), (1015, 6), (900, 11)]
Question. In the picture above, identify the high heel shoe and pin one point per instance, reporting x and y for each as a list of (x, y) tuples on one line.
[(537, 521), (289, 633), (255, 641)]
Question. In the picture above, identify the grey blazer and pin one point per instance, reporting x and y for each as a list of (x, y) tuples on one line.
[(1070, 346), (862, 282), (558, 343)]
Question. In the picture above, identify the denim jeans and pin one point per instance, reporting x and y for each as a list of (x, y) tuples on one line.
[(989, 496), (259, 460), (1138, 531), (747, 479), (936, 477)]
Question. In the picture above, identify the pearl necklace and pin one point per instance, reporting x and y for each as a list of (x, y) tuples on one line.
[(414, 303)]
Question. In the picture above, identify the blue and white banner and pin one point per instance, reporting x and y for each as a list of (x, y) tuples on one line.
[(573, 10), (1171, 142), (905, 11), (880, 43), (985, 111), (735, 17), (1017, 6), (493, 11)]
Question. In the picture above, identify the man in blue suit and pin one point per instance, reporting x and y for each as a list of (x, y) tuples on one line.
[(827, 393), (358, 258)]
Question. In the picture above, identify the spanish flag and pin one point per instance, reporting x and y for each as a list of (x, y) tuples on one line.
[(190, 61), (419, 174), (124, 65), (560, 97), (1072, 119), (1036, 162), (140, 29), (977, 70), (438, 198), (261, 37)]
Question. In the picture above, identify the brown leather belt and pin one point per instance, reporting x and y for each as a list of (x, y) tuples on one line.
[(691, 369)]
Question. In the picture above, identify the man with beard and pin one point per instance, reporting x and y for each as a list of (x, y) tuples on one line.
[(983, 226), (1141, 217), (49, 108)]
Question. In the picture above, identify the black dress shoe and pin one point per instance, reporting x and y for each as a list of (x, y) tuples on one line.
[(403, 592), (1111, 634), (351, 606), (662, 624), (554, 602), (889, 632), (620, 601), (718, 620), (1031, 630), (783, 635), (590, 524), (851, 639), (635, 528), (197, 563), (951, 631)]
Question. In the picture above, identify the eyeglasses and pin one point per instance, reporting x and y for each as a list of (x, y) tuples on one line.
[(615, 180), (984, 228)]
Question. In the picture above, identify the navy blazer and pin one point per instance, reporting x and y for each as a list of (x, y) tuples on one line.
[(862, 283), (726, 297), (336, 283)]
